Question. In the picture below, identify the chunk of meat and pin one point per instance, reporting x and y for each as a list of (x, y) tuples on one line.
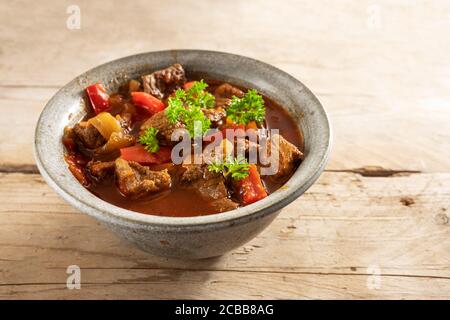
[(165, 128), (215, 115), (222, 103), (227, 91), (224, 204), (224, 93), (288, 156), (100, 170), (162, 83), (193, 172), (76, 164), (87, 135), (210, 185), (136, 181)]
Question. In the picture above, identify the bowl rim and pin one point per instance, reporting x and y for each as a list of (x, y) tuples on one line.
[(107, 212)]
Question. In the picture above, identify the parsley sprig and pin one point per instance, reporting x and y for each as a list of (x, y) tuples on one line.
[(186, 106), (238, 168), (248, 108), (175, 106), (197, 95), (149, 140)]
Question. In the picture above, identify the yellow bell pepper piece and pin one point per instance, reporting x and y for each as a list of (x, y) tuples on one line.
[(106, 124)]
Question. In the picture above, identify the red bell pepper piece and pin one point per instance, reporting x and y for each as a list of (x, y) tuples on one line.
[(251, 188), (76, 164), (69, 144), (139, 154), (98, 97), (147, 101)]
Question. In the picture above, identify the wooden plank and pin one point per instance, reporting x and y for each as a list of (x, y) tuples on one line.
[(20, 111), (181, 284), (392, 139), (334, 47), (380, 69), (387, 95), (343, 226)]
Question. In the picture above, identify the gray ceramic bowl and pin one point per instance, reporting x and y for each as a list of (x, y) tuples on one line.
[(191, 237)]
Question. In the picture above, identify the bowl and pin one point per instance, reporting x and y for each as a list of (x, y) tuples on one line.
[(184, 237)]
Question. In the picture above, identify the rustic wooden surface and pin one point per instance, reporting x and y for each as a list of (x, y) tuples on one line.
[(380, 68)]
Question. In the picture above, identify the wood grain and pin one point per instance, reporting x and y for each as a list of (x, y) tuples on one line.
[(391, 139), (181, 284), (386, 88), (321, 238), (381, 70)]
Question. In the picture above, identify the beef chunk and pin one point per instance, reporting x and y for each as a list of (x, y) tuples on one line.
[(210, 185), (162, 83), (288, 156), (224, 93), (192, 173), (224, 204), (215, 115), (87, 135), (165, 128), (222, 103), (136, 181), (100, 170), (227, 91)]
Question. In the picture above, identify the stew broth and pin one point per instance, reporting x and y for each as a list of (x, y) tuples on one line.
[(83, 143)]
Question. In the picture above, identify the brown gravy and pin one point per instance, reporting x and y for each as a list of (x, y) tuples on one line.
[(178, 201)]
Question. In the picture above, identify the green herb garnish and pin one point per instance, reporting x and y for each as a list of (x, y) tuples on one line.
[(149, 140), (185, 106), (197, 95), (248, 108), (196, 122), (237, 168), (175, 106)]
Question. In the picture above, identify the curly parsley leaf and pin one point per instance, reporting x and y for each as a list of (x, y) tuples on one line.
[(237, 168), (149, 140), (196, 122), (185, 106), (248, 108), (197, 95), (175, 106)]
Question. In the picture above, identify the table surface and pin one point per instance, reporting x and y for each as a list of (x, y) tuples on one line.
[(376, 223)]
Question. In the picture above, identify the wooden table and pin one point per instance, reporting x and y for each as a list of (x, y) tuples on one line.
[(375, 225)]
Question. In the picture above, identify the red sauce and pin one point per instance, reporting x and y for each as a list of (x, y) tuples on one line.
[(182, 202)]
